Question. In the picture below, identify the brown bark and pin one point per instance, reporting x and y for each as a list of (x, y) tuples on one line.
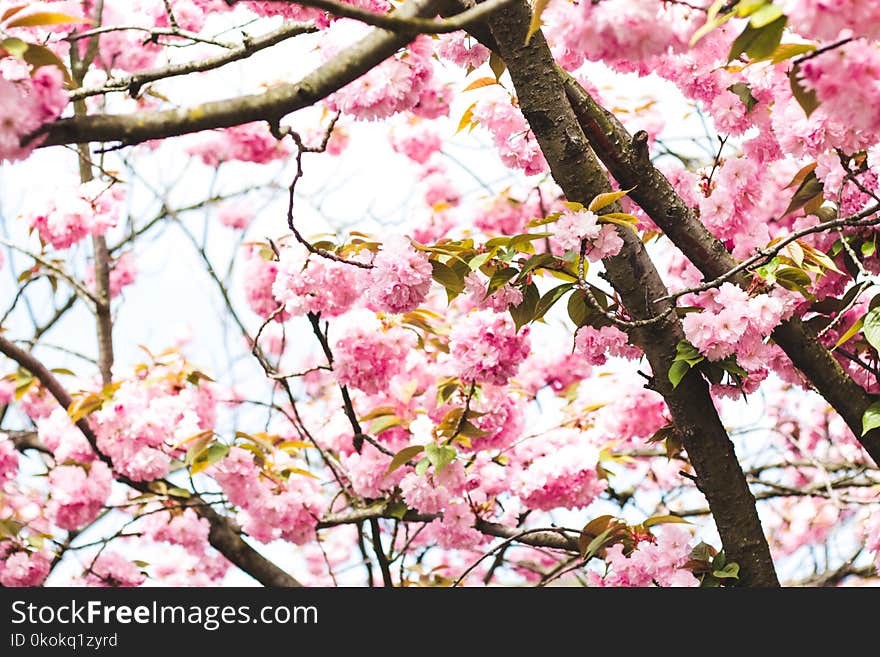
[(543, 100), (628, 162), (271, 105)]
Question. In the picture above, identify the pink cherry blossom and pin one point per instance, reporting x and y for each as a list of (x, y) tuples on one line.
[(78, 493), (400, 278), (111, 569), (485, 347), (366, 358), (24, 569)]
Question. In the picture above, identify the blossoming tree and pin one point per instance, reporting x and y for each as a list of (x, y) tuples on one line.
[(588, 350)]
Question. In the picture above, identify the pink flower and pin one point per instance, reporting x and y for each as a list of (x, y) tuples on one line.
[(78, 494), (826, 19), (111, 569), (259, 274), (8, 460), (596, 344), (366, 358), (485, 347), (560, 472), (26, 104), (499, 301), (268, 512), (186, 529), (511, 133), (400, 278), (23, 568), (65, 218), (506, 214), (462, 49), (393, 86), (308, 283), (138, 428), (415, 141), (250, 142), (657, 562), (123, 272), (367, 472), (65, 440), (435, 493), (235, 215), (574, 226)]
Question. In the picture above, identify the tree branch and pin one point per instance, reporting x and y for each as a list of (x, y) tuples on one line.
[(542, 98), (271, 105), (224, 534), (656, 196), (395, 23), (133, 83)]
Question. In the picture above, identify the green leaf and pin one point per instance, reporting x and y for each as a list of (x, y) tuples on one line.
[(713, 20), (15, 47), (745, 8), (525, 311), (383, 423), (470, 430), (209, 457), (10, 527), (46, 18), (765, 15), (792, 278), (604, 200), (174, 491), (677, 371), (789, 50), (497, 65), (758, 42), (536, 261), (809, 189), (446, 276), (868, 248), (684, 350), (744, 91), (439, 455), (806, 98), (578, 309), (871, 418), (598, 543), (403, 456), (550, 298), (396, 509), (37, 56), (500, 278), (524, 241), (422, 467), (535, 23), (620, 219), (665, 520), (479, 260), (730, 571), (872, 327)]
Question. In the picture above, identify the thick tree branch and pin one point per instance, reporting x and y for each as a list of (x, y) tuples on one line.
[(271, 105), (396, 23), (133, 83), (542, 98), (224, 535), (630, 166)]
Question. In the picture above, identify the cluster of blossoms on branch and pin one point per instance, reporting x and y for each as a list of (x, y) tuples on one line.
[(473, 370)]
